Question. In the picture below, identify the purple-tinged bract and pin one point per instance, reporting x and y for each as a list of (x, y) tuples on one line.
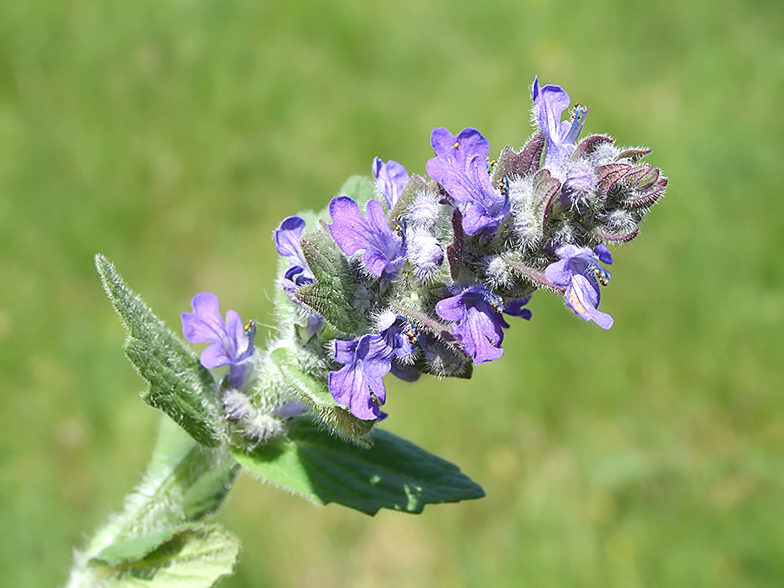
[(578, 271), (392, 178), (461, 168), (232, 344)]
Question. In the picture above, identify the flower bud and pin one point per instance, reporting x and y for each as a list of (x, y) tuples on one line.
[(424, 213), (237, 406), (498, 272), (425, 252), (579, 184), (263, 426)]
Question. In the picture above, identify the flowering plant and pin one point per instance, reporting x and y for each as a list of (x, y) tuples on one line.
[(401, 274)]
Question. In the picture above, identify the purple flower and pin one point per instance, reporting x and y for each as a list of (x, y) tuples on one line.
[(460, 167), (366, 361), (384, 248), (288, 237), (560, 136), (578, 270), (232, 344), (392, 178), (514, 307), (477, 312)]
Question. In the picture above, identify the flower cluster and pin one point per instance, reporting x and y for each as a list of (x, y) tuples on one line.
[(418, 278)]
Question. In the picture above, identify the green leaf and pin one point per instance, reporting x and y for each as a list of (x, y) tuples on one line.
[(359, 188), (132, 549), (393, 473), (193, 556), (315, 394), (179, 385)]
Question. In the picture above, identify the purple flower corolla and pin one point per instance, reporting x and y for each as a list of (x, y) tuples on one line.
[(288, 243), (480, 323), (514, 307), (392, 178), (578, 270), (288, 237), (560, 136), (232, 344), (384, 248), (366, 361), (460, 167)]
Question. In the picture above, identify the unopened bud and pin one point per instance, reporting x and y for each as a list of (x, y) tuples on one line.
[(424, 212), (579, 184), (425, 252), (237, 406)]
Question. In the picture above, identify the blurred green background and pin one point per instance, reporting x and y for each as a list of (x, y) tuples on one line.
[(173, 135)]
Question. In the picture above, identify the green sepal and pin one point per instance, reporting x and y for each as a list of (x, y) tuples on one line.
[(179, 385), (190, 556), (315, 394), (393, 473), (332, 294), (533, 275), (415, 186)]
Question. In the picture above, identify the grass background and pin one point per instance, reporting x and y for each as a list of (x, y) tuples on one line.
[(173, 135)]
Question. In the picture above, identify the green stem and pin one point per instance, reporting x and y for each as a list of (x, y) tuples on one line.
[(184, 483)]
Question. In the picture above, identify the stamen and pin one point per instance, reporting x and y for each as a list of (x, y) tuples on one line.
[(577, 305), (602, 275), (400, 225), (250, 332), (503, 186), (578, 120), (413, 336), (494, 300)]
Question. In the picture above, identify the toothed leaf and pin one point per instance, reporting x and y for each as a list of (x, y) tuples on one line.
[(193, 556), (393, 473), (179, 385)]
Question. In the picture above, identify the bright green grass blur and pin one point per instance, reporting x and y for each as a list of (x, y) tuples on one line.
[(173, 135)]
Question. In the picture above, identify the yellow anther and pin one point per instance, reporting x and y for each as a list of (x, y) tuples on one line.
[(457, 144), (576, 302)]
